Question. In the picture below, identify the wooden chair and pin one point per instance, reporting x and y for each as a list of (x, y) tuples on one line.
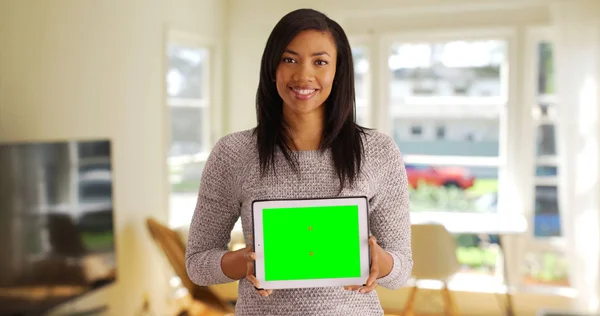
[(434, 256), (174, 248)]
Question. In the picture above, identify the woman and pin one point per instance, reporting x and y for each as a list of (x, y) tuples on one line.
[(306, 144)]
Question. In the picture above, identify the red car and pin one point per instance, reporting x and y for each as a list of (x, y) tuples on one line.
[(457, 177)]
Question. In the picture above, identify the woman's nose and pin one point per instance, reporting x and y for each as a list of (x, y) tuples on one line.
[(304, 73)]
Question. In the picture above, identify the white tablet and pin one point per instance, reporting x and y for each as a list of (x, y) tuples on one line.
[(311, 242)]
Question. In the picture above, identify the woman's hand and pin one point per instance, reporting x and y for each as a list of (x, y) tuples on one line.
[(250, 257), (376, 251)]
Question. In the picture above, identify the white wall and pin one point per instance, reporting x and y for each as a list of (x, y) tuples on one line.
[(94, 69)]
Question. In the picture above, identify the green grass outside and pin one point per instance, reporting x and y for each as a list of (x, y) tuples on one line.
[(185, 186), (483, 186), (98, 241), (476, 257)]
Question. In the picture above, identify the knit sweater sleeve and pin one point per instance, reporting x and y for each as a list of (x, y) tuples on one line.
[(217, 210), (390, 216)]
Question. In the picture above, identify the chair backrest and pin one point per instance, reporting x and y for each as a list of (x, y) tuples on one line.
[(174, 249), (433, 252)]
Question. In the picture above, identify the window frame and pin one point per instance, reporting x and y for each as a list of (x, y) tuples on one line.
[(535, 36), (210, 103), (516, 178), (506, 103), (510, 197), (189, 40)]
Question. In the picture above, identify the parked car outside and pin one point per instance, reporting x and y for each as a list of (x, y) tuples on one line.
[(457, 177)]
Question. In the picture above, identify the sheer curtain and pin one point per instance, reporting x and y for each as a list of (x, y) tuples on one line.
[(577, 31)]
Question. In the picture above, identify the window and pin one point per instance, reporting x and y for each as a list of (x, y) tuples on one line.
[(458, 88), (416, 130), (362, 85), (438, 83), (544, 260), (440, 132), (187, 83)]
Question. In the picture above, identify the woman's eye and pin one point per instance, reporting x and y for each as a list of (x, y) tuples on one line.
[(321, 63), (288, 60)]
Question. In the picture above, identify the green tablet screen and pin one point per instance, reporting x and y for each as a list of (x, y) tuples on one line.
[(311, 243)]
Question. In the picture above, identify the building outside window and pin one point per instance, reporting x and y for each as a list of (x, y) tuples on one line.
[(440, 132)]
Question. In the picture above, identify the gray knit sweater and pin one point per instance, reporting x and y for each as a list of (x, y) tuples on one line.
[(231, 181)]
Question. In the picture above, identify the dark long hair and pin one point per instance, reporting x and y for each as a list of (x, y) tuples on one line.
[(341, 134)]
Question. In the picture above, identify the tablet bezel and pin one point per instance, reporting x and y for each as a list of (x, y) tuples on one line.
[(364, 233)]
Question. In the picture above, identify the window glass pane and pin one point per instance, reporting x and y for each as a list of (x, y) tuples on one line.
[(187, 91), (431, 133), (545, 140), (444, 100), (186, 162), (187, 137), (546, 68), (547, 215), (185, 76), (546, 268), (462, 137), (456, 68), (546, 171), (440, 132), (452, 188), (362, 84), (185, 177), (477, 255), (185, 181)]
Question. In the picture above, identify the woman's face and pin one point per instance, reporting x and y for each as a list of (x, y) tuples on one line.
[(306, 71)]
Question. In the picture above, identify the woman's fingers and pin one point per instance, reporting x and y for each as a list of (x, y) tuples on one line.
[(371, 283), (361, 289), (256, 284), (374, 271), (368, 288), (250, 257), (253, 280)]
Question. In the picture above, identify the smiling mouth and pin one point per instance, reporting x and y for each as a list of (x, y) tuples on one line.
[(303, 93)]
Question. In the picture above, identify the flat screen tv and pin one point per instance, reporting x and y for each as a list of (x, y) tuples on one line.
[(57, 236)]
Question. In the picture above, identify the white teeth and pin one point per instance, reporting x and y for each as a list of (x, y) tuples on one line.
[(304, 91)]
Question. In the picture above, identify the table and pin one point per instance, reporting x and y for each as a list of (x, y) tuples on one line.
[(480, 224)]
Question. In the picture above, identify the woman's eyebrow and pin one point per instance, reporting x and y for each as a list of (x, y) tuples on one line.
[(313, 54)]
